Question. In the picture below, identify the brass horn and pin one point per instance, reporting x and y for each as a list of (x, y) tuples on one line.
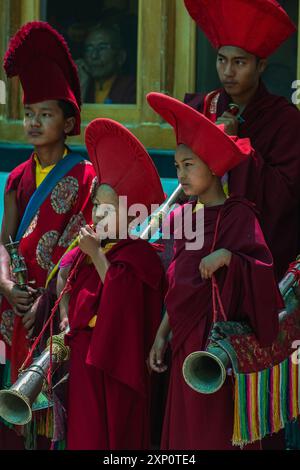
[(156, 219), (205, 371), (16, 402)]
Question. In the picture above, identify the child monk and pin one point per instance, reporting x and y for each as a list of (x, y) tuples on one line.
[(234, 254), (115, 301), (48, 197)]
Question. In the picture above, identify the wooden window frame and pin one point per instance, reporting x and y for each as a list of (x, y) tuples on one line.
[(166, 63), (166, 48)]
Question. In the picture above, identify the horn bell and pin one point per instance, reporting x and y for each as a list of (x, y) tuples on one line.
[(17, 401), (205, 371), (15, 407)]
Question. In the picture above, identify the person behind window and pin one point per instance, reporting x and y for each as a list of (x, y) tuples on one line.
[(100, 70)]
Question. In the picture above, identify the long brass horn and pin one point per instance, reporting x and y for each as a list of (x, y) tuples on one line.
[(205, 371), (16, 402), (156, 219)]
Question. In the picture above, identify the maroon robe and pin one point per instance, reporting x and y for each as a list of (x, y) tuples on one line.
[(272, 179), (108, 401), (123, 91), (248, 291), (66, 209)]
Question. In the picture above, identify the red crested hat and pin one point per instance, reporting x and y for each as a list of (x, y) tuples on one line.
[(257, 26), (218, 150), (122, 162), (39, 55)]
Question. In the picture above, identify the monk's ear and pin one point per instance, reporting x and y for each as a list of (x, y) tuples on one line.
[(262, 64), (69, 125)]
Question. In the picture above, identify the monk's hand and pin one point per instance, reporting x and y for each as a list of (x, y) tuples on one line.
[(20, 299), (88, 241), (230, 122), (211, 263), (64, 323), (157, 353), (84, 77), (28, 319)]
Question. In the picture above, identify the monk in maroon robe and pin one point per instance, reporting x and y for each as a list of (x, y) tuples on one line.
[(272, 179), (248, 292), (50, 192), (234, 254), (115, 303), (109, 381)]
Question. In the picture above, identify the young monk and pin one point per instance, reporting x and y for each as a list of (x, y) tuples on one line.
[(245, 33), (115, 302), (234, 252), (47, 198)]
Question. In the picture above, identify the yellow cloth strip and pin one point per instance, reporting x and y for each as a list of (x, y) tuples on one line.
[(254, 406), (225, 189), (236, 438), (294, 389), (296, 405), (198, 206), (44, 423), (276, 398), (299, 387), (41, 173), (101, 93)]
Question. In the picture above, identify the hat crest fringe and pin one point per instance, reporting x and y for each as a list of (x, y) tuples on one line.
[(10, 62)]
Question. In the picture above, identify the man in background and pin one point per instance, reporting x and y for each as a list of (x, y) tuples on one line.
[(100, 70)]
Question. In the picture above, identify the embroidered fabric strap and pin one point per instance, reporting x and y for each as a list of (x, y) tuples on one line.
[(45, 188)]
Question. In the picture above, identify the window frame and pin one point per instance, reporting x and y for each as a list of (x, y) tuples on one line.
[(166, 48)]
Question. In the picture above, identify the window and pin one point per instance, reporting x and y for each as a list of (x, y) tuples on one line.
[(164, 53), (159, 38), (102, 36)]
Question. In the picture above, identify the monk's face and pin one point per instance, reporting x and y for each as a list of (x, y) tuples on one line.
[(194, 175), (45, 123), (106, 212), (239, 71), (103, 56)]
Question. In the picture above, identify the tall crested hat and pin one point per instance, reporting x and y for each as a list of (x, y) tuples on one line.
[(208, 141), (122, 162), (39, 55), (257, 26)]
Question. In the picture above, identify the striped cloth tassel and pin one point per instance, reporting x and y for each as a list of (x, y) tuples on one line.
[(44, 423), (293, 380), (265, 401), (298, 388), (275, 400)]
